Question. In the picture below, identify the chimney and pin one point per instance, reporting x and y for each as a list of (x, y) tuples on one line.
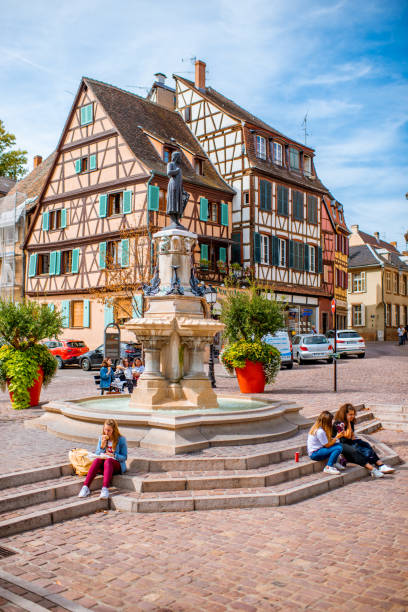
[(377, 236), (160, 78), (37, 161), (354, 229), (200, 74), (394, 244)]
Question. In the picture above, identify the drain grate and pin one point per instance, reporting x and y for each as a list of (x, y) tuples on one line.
[(5, 552)]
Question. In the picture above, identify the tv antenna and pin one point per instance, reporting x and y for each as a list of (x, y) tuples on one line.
[(192, 60), (304, 128), (146, 89)]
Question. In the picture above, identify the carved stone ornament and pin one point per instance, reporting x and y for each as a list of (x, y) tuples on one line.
[(154, 286), (175, 287)]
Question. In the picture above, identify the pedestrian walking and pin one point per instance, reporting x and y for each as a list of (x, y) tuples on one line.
[(405, 334), (400, 332)]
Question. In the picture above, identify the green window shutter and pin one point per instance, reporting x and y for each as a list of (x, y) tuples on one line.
[(127, 201), (77, 166), (265, 191), (57, 262), (262, 194), (87, 114), (103, 205), (137, 306), (306, 249), (52, 262), (108, 314), (65, 312), (46, 221), (75, 261), (63, 218), (236, 247), (224, 213), (102, 255), (319, 260), (153, 196), (92, 162), (203, 209), (51, 307), (275, 251), (86, 316), (268, 195), (257, 247), (124, 260), (32, 266), (285, 201), (291, 254), (204, 251), (223, 254)]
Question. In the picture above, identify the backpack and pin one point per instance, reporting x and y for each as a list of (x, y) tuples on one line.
[(80, 461)]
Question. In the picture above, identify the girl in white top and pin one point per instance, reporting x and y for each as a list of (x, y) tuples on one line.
[(321, 445)]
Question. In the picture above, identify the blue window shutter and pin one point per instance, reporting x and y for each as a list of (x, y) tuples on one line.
[(32, 266), (224, 213), (65, 313), (306, 248), (92, 162), (319, 260), (57, 262), (124, 260), (75, 261), (223, 254), (51, 307), (77, 166), (103, 205), (203, 209), (153, 196), (63, 218), (291, 254), (102, 255), (86, 316), (275, 251), (137, 306), (46, 221), (52, 262), (108, 314), (257, 247), (204, 251), (87, 114), (127, 201)]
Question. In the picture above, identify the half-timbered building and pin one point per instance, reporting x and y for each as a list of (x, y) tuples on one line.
[(277, 209), (105, 197)]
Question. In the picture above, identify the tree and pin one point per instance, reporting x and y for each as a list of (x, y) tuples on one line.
[(12, 162)]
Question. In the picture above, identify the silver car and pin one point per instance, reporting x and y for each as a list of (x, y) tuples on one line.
[(311, 347), (349, 342)]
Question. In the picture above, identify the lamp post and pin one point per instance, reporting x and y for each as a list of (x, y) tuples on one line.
[(211, 298)]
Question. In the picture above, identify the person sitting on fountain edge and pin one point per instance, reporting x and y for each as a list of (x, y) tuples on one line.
[(113, 447)]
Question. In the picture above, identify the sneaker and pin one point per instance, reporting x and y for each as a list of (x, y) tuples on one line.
[(339, 466), (376, 473), (386, 469), (84, 492), (331, 470), (104, 493)]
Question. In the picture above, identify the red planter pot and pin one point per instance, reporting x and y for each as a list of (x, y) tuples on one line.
[(35, 390), (251, 378)]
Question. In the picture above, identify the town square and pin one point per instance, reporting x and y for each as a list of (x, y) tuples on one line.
[(203, 307)]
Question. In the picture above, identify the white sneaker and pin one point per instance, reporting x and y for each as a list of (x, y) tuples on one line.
[(84, 492), (386, 469), (376, 473), (104, 493), (339, 467), (331, 470)]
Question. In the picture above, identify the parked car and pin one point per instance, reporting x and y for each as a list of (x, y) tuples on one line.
[(93, 359), (282, 342), (66, 352), (311, 347), (349, 342)]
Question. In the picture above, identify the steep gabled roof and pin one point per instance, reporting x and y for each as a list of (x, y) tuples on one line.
[(32, 184), (6, 183), (133, 115), (361, 256), (379, 244), (335, 212)]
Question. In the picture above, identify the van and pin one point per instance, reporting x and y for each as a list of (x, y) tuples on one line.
[(281, 341)]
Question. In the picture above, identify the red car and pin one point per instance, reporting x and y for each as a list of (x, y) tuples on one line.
[(66, 351)]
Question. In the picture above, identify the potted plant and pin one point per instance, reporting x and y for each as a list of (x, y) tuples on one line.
[(248, 317), (222, 266), (25, 364), (204, 263)]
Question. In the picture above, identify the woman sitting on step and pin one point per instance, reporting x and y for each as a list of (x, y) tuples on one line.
[(356, 450), (321, 444), (113, 448)]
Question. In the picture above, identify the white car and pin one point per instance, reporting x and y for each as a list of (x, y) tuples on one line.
[(311, 347), (349, 342)]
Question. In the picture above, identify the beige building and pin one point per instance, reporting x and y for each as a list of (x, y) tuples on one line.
[(377, 287)]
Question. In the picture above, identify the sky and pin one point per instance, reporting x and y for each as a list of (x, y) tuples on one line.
[(342, 63)]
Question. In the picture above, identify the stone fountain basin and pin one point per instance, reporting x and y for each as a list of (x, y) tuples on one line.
[(238, 420)]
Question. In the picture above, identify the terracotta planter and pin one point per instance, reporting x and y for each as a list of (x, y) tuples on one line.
[(251, 378), (35, 390)]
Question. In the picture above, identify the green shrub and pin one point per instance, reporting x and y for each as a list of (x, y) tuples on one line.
[(236, 354)]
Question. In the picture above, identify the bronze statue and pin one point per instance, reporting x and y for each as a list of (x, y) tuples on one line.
[(176, 198)]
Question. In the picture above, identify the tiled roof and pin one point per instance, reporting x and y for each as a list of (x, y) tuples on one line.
[(335, 210), (32, 184), (132, 115), (6, 184), (362, 256), (379, 244)]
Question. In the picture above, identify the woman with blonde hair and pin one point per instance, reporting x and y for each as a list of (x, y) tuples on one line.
[(321, 444), (112, 449)]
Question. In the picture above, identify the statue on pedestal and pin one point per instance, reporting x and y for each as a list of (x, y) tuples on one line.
[(176, 198)]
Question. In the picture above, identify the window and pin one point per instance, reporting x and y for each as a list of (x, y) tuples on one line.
[(265, 249), (277, 153), (198, 166), (66, 262), (113, 254), (213, 212), (122, 310), (297, 255), (359, 282), (388, 282), (86, 114), (245, 197), (294, 159), (312, 209), (55, 219), (283, 198), (85, 164), (396, 283), (282, 253), (388, 315), (307, 165), (187, 113), (114, 204), (77, 313), (404, 289), (265, 195), (326, 274), (297, 205), (312, 258), (162, 200), (357, 314), (166, 155), (261, 147), (43, 263)]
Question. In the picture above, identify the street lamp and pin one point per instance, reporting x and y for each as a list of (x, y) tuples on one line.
[(211, 298)]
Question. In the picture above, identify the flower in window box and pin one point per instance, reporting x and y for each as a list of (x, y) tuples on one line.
[(222, 266), (204, 263)]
